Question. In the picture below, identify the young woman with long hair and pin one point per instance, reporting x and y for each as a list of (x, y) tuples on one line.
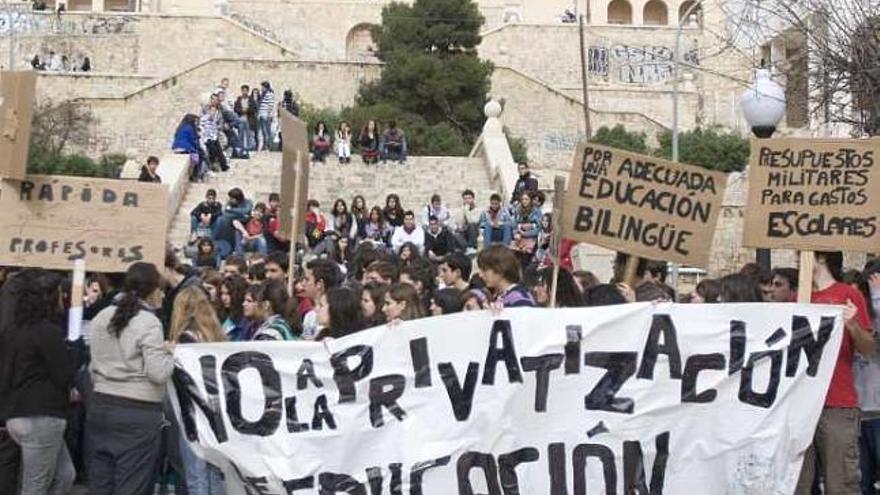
[(38, 373), (130, 368), (372, 302), (361, 213), (402, 303), (339, 313), (320, 142), (377, 229), (269, 301), (343, 142), (527, 227), (393, 211), (231, 310), (369, 142), (342, 221)]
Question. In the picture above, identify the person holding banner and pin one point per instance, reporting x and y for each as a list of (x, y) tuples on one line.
[(130, 368), (38, 373), (836, 440), (194, 321)]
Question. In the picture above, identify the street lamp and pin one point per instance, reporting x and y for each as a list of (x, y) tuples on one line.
[(763, 106)]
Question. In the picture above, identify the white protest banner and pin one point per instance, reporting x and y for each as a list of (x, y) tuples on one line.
[(640, 398)]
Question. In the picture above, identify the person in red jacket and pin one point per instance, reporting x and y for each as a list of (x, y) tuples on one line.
[(836, 440)]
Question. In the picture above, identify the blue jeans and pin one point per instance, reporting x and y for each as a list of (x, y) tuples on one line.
[(869, 454), (258, 244), (491, 234), (45, 461), (266, 132), (202, 477)]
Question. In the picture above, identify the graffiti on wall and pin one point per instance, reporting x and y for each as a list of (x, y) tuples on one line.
[(555, 142), (35, 24), (635, 64)]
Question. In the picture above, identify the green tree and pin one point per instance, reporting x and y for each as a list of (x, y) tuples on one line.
[(708, 148), (433, 83), (618, 137)]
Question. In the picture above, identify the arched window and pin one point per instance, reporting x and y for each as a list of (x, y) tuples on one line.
[(655, 13), (693, 12), (620, 12), (359, 45)]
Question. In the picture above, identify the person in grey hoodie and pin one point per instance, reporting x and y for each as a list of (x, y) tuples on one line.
[(131, 364)]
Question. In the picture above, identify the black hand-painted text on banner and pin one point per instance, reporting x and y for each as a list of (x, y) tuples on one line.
[(642, 205), (470, 403), (50, 221), (814, 194)]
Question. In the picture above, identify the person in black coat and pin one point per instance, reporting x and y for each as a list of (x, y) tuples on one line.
[(525, 184), (148, 171)]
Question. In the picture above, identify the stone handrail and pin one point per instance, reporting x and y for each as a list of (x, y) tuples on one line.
[(174, 171), (494, 147)]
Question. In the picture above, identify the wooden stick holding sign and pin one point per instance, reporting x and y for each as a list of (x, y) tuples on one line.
[(75, 315), (556, 238), (805, 277), (294, 183)]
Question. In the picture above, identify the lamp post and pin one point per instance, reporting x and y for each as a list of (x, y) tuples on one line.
[(676, 60), (763, 106)]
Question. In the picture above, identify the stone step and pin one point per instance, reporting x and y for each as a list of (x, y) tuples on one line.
[(415, 182)]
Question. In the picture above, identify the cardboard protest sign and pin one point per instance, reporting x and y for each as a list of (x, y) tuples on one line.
[(814, 194), (618, 398), (16, 112), (294, 172), (641, 205), (49, 221)]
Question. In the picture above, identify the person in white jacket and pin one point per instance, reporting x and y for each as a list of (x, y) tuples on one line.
[(408, 232)]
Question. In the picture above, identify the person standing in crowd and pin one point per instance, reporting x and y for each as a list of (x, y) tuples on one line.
[(269, 299), (372, 302), (376, 230), (445, 302), (316, 223), (176, 277), (707, 292), (212, 120), (369, 143), (265, 113), (343, 142), (194, 321), (37, 377), (836, 441), (361, 213), (409, 232), (339, 313), (130, 368), (526, 184), (737, 288), (501, 271), (785, 285), (343, 222), (467, 222), (246, 108), (231, 312), (496, 223), (867, 377), (402, 303), (455, 271), (148, 171), (321, 276)]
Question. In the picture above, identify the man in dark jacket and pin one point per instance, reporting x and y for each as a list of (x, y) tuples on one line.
[(438, 240), (525, 184), (177, 277)]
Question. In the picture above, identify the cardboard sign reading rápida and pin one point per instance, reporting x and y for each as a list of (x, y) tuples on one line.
[(814, 194), (49, 221), (642, 205), (294, 161)]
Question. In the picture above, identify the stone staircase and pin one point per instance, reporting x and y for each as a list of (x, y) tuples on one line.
[(414, 183)]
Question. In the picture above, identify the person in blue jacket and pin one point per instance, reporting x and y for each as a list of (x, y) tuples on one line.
[(186, 141)]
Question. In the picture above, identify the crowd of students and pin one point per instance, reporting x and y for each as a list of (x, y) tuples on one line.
[(229, 126)]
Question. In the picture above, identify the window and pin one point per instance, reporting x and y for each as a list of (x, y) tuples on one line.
[(620, 12), (655, 13)]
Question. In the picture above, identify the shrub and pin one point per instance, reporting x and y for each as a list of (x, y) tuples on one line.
[(618, 137), (708, 148)]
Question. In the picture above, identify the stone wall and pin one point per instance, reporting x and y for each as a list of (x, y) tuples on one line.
[(57, 87), (156, 45), (551, 122), (143, 122)]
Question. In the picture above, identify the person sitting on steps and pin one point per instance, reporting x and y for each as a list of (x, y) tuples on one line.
[(393, 144)]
